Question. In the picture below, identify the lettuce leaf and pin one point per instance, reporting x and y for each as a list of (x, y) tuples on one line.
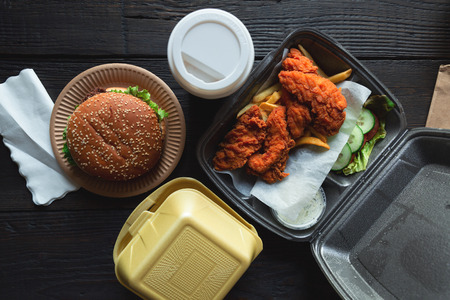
[(144, 95), (65, 149), (361, 158), (380, 105), (67, 154)]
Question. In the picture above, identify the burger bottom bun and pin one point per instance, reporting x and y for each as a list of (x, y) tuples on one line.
[(114, 136)]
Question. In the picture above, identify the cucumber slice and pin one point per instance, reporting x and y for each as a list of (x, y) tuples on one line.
[(366, 120), (356, 139), (343, 159)]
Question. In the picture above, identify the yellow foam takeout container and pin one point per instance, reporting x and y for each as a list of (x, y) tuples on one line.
[(184, 242)]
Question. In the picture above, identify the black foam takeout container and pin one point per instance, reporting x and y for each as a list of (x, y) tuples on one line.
[(386, 231), (333, 58)]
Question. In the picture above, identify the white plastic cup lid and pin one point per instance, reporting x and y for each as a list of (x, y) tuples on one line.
[(210, 53)]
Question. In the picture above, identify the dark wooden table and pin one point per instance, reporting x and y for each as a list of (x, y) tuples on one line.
[(64, 251)]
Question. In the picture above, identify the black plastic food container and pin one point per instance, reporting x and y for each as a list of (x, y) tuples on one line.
[(386, 231)]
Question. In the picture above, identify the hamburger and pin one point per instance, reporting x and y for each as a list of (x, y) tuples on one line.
[(114, 135)]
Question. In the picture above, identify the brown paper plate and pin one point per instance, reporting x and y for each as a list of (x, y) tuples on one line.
[(120, 75)]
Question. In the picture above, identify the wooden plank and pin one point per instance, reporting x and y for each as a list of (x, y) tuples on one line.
[(412, 82), (34, 265), (61, 27), (394, 29), (65, 250)]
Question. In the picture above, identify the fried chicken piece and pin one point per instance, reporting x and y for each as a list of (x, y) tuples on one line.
[(246, 137), (271, 163), (276, 171), (321, 95), (296, 61), (298, 116)]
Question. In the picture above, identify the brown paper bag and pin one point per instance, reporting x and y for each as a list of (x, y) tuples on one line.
[(439, 113)]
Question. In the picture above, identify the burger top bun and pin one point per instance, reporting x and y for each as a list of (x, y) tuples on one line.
[(114, 136)]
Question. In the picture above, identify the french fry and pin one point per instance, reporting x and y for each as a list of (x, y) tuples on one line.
[(267, 106), (318, 135), (274, 97), (244, 109), (310, 140), (264, 114), (306, 53), (267, 92), (340, 76)]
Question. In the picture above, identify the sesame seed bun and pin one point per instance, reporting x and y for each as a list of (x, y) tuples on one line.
[(114, 136)]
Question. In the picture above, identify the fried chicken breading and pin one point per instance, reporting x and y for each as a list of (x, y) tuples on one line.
[(298, 116), (246, 137), (276, 172), (296, 61), (271, 163), (321, 95)]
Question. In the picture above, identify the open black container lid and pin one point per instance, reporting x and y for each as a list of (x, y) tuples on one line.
[(385, 231), (392, 238)]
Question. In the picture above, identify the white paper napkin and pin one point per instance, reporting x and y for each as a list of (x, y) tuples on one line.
[(25, 111)]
